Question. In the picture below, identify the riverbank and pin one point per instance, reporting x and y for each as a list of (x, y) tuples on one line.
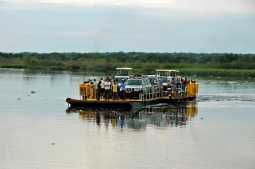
[(202, 65)]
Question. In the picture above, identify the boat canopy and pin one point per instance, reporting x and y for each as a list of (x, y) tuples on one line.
[(122, 72), (124, 68), (167, 70)]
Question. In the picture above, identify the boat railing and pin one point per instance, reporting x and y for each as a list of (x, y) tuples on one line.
[(150, 95)]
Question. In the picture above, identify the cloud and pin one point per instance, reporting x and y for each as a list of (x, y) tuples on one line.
[(217, 6), (98, 29), (141, 3), (2, 2), (200, 6), (94, 26), (145, 3)]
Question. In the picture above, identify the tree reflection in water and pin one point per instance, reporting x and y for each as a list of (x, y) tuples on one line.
[(155, 116)]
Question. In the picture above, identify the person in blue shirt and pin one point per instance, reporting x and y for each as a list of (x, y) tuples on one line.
[(122, 89)]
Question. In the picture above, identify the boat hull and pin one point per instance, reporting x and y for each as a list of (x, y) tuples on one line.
[(126, 104)]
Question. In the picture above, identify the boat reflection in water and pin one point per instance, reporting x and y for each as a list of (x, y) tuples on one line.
[(157, 116)]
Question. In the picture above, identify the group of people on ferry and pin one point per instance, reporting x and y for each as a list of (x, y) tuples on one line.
[(179, 85), (110, 89)]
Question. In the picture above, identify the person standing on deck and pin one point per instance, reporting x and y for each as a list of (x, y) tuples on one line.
[(178, 85), (98, 90), (107, 88), (102, 88), (122, 89), (185, 83), (173, 87), (115, 90)]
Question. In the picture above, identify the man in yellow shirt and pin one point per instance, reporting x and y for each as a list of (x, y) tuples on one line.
[(115, 90)]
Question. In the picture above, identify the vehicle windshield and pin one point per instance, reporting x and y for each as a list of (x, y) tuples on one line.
[(153, 81), (163, 79), (134, 82), (122, 73)]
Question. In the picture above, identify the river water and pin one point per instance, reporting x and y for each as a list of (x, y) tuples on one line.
[(36, 131)]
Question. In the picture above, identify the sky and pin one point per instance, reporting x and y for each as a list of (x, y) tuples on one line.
[(199, 26)]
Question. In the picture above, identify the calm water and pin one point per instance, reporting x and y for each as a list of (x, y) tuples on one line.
[(38, 133)]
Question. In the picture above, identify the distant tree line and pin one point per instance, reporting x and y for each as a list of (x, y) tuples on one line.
[(141, 62)]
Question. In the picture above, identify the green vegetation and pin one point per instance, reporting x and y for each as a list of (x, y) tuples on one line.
[(220, 65)]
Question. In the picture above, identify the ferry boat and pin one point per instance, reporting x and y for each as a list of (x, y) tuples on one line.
[(140, 91)]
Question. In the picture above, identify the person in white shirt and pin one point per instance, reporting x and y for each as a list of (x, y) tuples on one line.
[(102, 88), (107, 88)]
